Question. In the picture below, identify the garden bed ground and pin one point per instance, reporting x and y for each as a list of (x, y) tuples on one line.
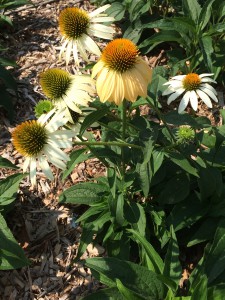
[(44, 228)]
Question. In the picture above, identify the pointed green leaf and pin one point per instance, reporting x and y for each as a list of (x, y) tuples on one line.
[(192, 8), (205, 14), (5, 163)]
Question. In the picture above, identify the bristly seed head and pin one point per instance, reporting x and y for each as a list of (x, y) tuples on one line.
[(191, 82), (73, 22), (120, 55), (29, 138), (55, 83)]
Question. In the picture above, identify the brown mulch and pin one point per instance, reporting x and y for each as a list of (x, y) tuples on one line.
[(44, 228)]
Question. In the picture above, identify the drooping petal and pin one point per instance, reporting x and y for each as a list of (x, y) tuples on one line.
[(102, 20), (194, 100), (55, 152), (90, 45), (209, 87), (184, 102), (45, 167), (33, 167), (205, 98), (209, 92), (175, 95)]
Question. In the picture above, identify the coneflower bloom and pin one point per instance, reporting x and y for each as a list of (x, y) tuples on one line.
[(76, 26), (67, 90), (191, 87), (121, 73), (40, 141)]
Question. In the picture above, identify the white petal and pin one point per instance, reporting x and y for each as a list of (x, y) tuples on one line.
[(82, 49), (44, 117), (61, 134), (205, 75), (62, 48), (207, 79), (102, 19), (61, 143), (179, 77), (57, 121), (45, 167), (72, 105), (209, 92), (97, 11), (68, 51), (176, 84), (57, 162), (184, 102), (101, 34), (205, 98), (209, 87), (168, 91), (75, 54), (55, 152), (26, 164), (194, 100), (175, 95), (90, 45), (33, 167)]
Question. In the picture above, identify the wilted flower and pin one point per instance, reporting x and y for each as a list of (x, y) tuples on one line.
[(191, 86), (40, 142), (76, 26), (66, 90), (121, 73)]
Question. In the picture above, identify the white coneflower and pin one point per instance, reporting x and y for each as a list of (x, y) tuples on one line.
[(121, 73), (191, 86), (40, 142), (66, 90), (76, 27)]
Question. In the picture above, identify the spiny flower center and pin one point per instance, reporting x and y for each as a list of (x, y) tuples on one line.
[(73, 22), (29, 138), (120, 55), (55, 83), (191, 82)]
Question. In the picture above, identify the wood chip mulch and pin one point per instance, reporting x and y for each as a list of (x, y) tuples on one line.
[(44, 228)]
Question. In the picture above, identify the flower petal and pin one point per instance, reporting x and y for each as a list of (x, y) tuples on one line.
[(175, 95), (45, 167), (184, 102), (205, 75), (193, 100), (209, 93), (205, 98), (33, 167), (207, 79), (97, 11)]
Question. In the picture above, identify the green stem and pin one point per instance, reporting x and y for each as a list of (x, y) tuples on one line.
[(119, 144), (123, 117)]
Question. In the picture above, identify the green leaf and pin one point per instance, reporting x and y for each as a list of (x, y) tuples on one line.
[(92, 118), (192, 8), (175, 190), (120, 209), (84, 193), (112, 179), (7, 62), (117, 10), (9, 186), (210, 182), (5, 163), (6, 19), (157, 263), (6, 102), (127, 293), (105, 294), (138, 8), (91, 229), (7, 78), (187, 212), (182, 162), (205, 14), (11, 254), (134, 277), (200, 292), (215, 261), (135, 215), (76, 157), (206, 44), (216, 292), (172, 268)]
